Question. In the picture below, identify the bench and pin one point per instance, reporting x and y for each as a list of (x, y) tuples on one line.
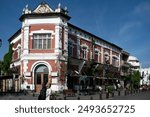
[(69, 92)]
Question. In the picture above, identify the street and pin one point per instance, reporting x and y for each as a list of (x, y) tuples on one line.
[(138, 96), (134, 96)]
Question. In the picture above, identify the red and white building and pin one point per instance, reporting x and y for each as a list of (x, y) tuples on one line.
[(47, 48)]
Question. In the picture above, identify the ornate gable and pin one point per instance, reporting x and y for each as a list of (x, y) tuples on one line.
[(43, 8)]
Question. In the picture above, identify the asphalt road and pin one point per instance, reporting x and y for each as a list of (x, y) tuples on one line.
[(138, 96)]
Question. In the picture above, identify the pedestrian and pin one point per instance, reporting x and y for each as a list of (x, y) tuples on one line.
[(42, 95), (115, 88), (100, 88), (49, 92)]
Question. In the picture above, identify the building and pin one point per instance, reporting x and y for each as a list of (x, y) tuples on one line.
[(145, 73), (134, 62), (47, 48)]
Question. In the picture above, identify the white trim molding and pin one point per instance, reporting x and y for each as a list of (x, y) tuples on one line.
[(42, 31)]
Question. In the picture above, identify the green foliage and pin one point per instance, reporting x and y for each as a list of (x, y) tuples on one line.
[(7, 60), (135, 77), (110, 88), (127, 78), (1, 63)]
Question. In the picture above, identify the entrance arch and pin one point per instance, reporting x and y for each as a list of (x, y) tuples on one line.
[(38, 66), (41, 75)]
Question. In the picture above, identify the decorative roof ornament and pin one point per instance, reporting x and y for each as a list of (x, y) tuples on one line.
[(59, 9), (66, 10), (26, 10), (59, 5), (43, 8)]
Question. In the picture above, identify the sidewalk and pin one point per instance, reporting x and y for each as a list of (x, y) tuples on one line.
[(18, 97), (95, 96)]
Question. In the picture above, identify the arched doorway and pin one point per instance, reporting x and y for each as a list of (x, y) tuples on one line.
[(40, 76)]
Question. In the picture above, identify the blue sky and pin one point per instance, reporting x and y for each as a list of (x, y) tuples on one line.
[(125, 23)]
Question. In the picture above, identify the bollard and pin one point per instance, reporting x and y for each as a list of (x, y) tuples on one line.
[(25, 93), (33, 94), (64, 97), (112, 94), (78, 98), (119, 93), (125, 92), (91, 98), (100, 96), (107, 95)]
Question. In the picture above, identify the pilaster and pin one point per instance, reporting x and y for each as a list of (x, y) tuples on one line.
[(102, 57), (25, 40)]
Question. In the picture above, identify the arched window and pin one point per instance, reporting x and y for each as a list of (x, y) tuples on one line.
[(96, 57), (115, 61), (106, 58), (84, 51)]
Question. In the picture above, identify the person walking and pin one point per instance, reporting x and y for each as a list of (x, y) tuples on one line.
[(42, 95), (48, 92)]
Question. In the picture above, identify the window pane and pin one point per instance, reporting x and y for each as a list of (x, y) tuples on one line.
[(96, 55), (45, 80), (70, 48), (41, 41), (40, 44), (44, 44), (35, 43), (84, 52), (48, 43), (38, 78)]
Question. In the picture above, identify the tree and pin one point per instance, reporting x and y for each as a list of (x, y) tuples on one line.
[(7, 60), (135, 78), (1, 63)]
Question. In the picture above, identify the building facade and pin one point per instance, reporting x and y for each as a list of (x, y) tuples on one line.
[(47, 48), (145, 73)]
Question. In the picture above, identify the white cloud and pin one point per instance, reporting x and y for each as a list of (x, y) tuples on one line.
[(128, 27), (142, 8)]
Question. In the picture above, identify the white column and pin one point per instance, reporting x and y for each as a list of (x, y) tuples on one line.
[(119, 59), (110, 56), (78, 47), (66, 38), (25, 65), (57, 38), (25, 40), (102, 57)]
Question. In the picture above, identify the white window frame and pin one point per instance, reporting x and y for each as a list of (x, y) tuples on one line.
[(39, 39), (115, 61), (84, 52), (70, 48), (96, 53)]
